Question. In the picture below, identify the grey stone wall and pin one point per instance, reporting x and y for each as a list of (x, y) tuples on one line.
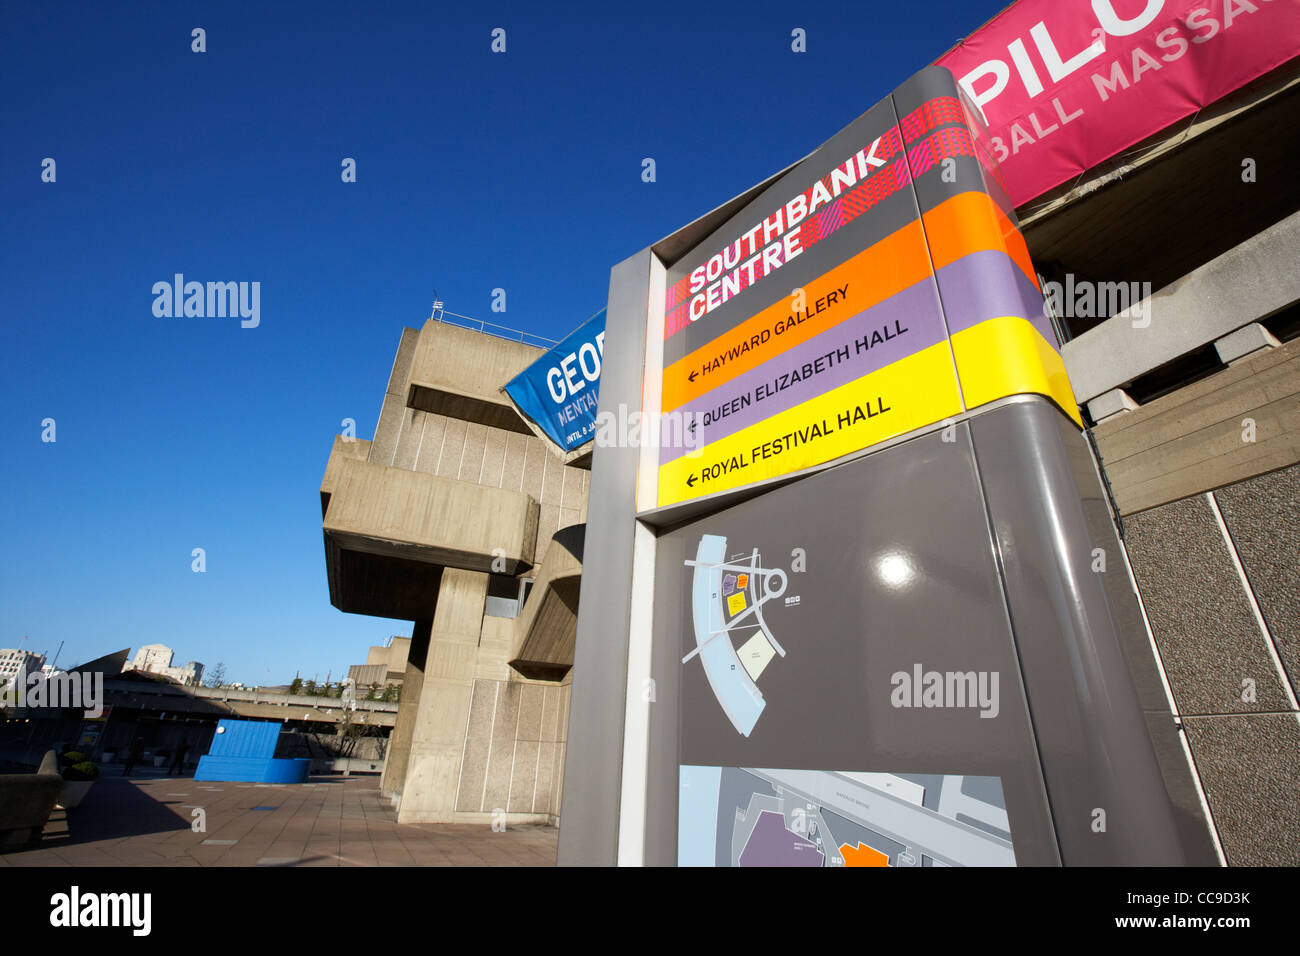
[(1225, 614)]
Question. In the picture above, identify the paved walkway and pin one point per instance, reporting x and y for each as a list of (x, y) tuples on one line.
[(146, 820)]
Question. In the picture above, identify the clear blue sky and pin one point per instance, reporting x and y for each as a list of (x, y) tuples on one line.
[(474, 171)]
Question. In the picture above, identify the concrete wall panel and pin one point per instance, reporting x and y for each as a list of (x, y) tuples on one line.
[(573, 494), (544, 790), (502, 755), (478, 734), (1263, 516), (1249, 766), (409, 439), (388, 430), (494, 457), (471, 459), (512, 474), (453, 447), (435, 426), (400, 376), (1202, 622), (523, 777), (1198, 437), (534, 467)]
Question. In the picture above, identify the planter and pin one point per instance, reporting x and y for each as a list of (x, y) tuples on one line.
[(73, 792)]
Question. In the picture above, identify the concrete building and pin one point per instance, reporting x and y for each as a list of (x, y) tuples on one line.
[(12, 660), (157, 659), (458, 518), (385, 665)]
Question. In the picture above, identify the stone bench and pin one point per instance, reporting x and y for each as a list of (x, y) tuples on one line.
[(26, 800)]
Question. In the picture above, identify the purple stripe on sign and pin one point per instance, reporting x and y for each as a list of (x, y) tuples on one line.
[(988, 284), (901, 325)]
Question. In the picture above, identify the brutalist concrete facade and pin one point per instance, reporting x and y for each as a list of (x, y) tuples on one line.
[(458, 518)]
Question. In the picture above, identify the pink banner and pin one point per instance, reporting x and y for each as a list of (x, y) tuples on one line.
[(1066, 84)]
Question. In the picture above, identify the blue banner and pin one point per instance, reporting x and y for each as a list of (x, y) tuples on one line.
[(560, 390)]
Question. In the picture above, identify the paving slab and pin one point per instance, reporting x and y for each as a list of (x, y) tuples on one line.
[(137, 821)]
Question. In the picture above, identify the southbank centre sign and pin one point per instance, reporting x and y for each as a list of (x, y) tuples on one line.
[(846, 306), (848, 610)]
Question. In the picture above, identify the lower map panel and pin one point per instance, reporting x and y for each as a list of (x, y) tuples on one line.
[(741, 816)]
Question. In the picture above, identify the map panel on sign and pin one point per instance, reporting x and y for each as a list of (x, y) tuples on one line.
[(743, 816)]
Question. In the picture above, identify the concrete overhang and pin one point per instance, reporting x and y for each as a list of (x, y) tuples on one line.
[(460, 373), (1177, 200), (389, 532), (344, 449), (1246, 284), (542, 647)]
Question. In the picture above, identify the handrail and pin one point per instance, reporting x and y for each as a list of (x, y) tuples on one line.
[(502, 332)]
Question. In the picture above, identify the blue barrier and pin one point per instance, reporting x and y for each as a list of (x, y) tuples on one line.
[(244, 751)]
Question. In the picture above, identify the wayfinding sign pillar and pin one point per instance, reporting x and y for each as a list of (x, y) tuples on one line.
[(852, 595)]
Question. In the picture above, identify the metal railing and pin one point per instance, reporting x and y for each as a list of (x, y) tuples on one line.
[(490, 328)]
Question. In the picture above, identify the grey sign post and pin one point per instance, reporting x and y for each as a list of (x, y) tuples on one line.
[(843, 603)]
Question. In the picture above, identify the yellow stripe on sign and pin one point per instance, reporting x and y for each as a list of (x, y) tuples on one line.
[(1008, 356), (912, 392)]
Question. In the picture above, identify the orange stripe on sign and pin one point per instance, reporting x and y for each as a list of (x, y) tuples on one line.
[(891, 265), (972, 222)]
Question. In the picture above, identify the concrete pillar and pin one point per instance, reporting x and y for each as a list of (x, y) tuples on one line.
[(441, 714), (399, 744)]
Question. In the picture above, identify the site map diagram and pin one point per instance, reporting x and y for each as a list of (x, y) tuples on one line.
[(732, 640), (733, 816), (792, 750)]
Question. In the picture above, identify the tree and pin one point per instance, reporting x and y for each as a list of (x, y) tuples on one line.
[(373, 693), (218, 676), (296, 686), (309, 688)]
